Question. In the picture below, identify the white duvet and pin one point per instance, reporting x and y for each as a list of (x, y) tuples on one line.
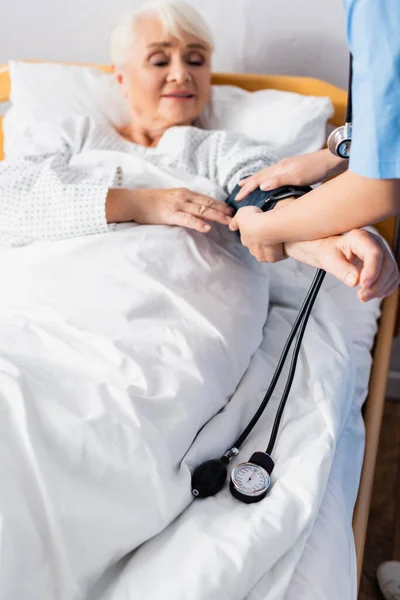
[(128, 358)]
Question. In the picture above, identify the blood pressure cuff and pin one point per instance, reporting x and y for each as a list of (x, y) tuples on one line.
[(269, 199)]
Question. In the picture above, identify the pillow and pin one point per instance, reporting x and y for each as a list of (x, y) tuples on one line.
[(291, 123), (52, 92)]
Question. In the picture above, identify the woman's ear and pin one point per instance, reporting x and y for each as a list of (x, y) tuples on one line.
[(119, 78)]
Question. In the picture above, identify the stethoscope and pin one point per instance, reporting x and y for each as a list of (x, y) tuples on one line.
[(251, 480), (339, 141)]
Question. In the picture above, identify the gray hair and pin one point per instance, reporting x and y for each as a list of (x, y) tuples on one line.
[(175, 16)]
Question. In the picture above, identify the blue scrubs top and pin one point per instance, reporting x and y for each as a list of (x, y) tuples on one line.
[(373, 33)]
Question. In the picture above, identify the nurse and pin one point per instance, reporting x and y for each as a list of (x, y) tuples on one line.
[(367, 189)]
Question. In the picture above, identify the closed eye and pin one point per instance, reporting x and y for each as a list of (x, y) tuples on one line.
[(195, 59), (158, 59)]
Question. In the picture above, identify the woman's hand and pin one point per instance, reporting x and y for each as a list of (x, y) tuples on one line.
[(357, 258), (297, 170), (177, 206)]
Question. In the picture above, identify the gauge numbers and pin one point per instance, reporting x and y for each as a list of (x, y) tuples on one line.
[(250, 479)]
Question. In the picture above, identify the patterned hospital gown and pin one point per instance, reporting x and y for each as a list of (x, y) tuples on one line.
[(43, 197)]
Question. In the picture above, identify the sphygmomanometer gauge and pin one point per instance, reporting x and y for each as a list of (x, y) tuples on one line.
[(249, 482)]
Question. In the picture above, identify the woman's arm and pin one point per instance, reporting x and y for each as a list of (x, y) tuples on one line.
[(177, 206), (41, 196), (230, 157), (357, 258)]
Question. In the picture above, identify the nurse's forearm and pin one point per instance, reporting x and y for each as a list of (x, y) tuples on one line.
[(344, 203)]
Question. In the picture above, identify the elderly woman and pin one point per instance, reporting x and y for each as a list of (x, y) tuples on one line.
[(161, 58)]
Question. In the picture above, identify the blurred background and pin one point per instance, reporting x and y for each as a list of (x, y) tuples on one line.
[(260, 36)]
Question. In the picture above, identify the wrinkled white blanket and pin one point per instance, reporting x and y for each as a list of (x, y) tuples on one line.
[(116, 350)]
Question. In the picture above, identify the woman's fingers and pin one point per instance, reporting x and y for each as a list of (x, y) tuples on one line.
[(188, 209), (209, 203), (211, 214), (387, 276), (185, 219), (193, 208), (385, 284), (334, 262), (378, 285), (209, 209), (379, 272), (392, 288), (368, 249), (371, 270)]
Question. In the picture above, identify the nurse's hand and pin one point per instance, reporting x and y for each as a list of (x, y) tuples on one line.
[(297, 170), (357, 258), (247, 220)]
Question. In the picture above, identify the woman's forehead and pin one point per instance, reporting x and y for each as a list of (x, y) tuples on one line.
[(151, 33)]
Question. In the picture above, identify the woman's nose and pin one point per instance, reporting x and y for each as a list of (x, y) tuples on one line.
[(178, 72)]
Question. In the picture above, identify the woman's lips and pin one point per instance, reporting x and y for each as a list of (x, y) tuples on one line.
[(179, 95)]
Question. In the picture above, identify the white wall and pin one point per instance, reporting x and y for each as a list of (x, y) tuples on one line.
[(304, 37)]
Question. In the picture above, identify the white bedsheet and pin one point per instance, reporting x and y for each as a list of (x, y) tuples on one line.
[(115, 351), (323, 558)]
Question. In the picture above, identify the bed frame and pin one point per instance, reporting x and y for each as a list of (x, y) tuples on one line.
[(383, 342)]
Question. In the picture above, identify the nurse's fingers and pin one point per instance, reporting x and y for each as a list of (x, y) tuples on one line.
[(244, 220), (234, 225), (248, 186), (258, 182), (269, 178)]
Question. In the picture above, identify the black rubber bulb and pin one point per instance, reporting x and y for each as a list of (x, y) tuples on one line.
[(209, 478)]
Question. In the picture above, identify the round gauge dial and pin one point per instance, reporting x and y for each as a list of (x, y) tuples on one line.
[(250, 479)]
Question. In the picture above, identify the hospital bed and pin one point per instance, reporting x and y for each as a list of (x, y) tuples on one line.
[(381, 353)]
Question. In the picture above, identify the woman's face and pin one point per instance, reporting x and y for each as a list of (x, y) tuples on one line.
[(166, 80)]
